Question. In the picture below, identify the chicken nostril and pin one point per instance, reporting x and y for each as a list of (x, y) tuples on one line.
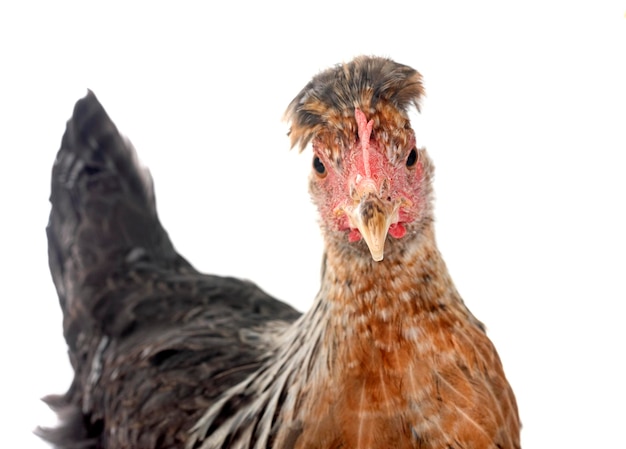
[(384, 189), (353, 192)]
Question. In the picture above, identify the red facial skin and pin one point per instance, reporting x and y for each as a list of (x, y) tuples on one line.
[(368, 165)]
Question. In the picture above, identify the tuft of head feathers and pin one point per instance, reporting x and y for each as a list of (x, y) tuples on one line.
[(380, 87)]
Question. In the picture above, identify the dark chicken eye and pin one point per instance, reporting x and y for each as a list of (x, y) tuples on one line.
[(412, 159), (319, 166)]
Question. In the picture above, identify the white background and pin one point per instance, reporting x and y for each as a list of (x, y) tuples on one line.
[(525, 118)]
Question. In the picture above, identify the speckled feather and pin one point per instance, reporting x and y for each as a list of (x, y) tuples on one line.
[(324, 109), (387, 356)]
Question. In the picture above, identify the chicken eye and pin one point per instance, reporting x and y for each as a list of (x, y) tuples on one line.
[(319, 166), (412, 159)]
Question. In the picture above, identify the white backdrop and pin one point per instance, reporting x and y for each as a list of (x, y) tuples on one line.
[(525, 118)]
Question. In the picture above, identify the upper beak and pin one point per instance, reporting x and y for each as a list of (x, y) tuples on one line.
[(373, 217)]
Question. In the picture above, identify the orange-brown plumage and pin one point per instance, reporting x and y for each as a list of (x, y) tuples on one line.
[(412, 372), (388, 356)]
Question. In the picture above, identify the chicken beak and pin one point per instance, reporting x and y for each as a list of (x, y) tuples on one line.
[(373, 217)]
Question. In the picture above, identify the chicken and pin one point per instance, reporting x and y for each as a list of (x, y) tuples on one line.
[(388, 356)]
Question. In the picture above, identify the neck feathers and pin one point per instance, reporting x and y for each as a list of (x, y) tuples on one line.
[(388, 356), (385, 324)]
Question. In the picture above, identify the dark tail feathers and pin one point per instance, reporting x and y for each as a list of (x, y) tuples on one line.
[(103, 207), (103, 220)]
